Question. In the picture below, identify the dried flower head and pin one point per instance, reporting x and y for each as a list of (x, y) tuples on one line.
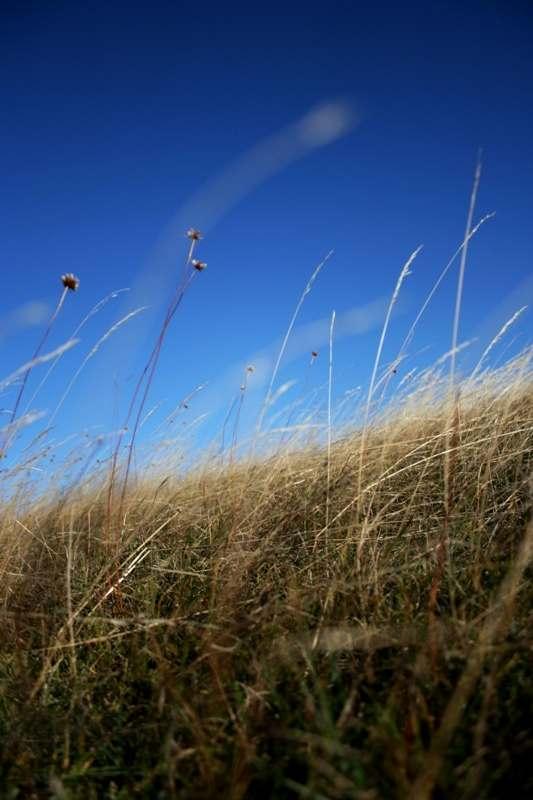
[(314, 354), (198, 265), (70, 281), (250, 368), (194, 234)]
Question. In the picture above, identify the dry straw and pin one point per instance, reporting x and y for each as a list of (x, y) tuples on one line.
[(147, 375)]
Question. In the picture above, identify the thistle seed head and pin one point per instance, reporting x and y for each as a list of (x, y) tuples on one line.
[(194, 234), (70, 281)]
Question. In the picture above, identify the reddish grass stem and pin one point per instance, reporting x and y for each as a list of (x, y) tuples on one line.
[(148, 375), (70, 283)]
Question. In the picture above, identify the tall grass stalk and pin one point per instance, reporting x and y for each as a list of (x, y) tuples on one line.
[(499, 336), (330, 388), (442, 549), (92, 352), (462, 266), (405, 271), (94, 310), (411, 332), (40, 345), (146, 377), (12, 427), (268, 397)]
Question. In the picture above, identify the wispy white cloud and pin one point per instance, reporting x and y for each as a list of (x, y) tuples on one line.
[(27, 315), (319, 127)]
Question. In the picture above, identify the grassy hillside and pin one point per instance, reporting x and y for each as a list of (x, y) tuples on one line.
[(342, 621)]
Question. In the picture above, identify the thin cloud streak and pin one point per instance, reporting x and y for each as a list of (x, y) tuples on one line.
[(305, 338), (27, 315), (320, 126)]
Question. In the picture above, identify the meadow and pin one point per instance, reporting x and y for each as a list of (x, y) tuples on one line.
[(340, 616)]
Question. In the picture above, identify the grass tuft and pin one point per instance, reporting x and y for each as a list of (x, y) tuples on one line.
[(279, 633)]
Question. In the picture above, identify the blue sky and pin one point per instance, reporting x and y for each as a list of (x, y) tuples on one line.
[(283, 131)]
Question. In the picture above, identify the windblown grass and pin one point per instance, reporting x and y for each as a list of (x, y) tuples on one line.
[(265, 629)]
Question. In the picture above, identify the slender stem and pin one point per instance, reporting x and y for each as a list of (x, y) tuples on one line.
[(403, 274), (330, 384), (149, 371), (409, 337), (460, 283), (503, 330), (281, 353), (243, 388), (38, 349), (55, 362)]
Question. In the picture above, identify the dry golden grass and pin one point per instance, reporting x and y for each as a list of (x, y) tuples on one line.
[(351, 625)]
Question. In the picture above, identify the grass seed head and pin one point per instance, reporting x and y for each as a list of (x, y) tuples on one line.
[(70, 281), (194, 234)]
